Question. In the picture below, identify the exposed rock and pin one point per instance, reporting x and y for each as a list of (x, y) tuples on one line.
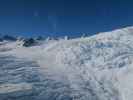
[(29, 42)]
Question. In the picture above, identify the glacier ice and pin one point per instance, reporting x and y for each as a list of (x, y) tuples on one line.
[(99, 67)]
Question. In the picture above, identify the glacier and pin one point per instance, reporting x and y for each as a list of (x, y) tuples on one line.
[(98, 67)]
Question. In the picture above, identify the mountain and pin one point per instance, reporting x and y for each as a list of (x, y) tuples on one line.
[(1, 38), (27, 42), (98, 67), (9, 38)]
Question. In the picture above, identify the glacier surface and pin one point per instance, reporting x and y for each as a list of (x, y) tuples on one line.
[(99, 67)]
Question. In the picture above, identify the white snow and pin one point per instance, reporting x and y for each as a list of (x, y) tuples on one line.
[(99, 67)]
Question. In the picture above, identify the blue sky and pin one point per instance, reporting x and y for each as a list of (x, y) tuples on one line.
[(63, 17)]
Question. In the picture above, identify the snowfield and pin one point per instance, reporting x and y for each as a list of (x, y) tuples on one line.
[(99, 67)]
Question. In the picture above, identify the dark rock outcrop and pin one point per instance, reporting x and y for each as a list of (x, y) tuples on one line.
[(29, 42)]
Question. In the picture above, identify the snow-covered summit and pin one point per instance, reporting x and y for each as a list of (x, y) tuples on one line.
[(99, 67)]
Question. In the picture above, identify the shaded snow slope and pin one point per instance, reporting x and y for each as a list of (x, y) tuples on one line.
[(99, 67)]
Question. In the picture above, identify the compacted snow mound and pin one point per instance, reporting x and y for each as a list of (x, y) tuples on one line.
[(99, 67)]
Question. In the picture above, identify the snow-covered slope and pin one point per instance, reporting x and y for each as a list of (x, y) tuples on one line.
[(99, 67)]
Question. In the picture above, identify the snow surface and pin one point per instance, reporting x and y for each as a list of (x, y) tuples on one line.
[(99, 67), (5, 88)]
